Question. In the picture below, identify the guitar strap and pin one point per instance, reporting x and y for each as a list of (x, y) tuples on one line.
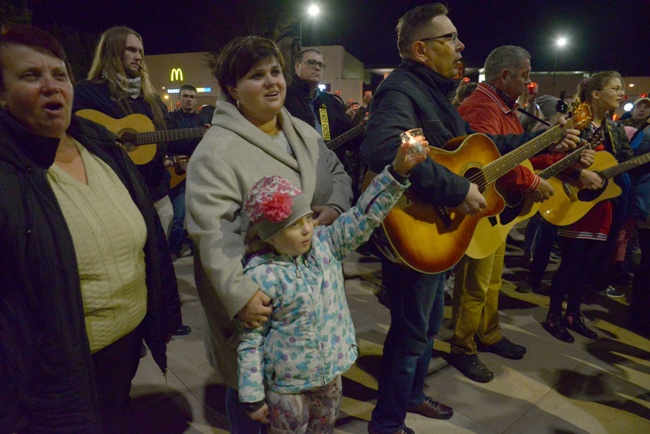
[(324, 122)]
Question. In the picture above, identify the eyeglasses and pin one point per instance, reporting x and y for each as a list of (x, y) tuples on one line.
[(451, 37), (617, 89), (314, 63)]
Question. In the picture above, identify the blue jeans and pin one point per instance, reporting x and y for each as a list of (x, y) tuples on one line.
[(177, 195), (416, 311), (238, 420)]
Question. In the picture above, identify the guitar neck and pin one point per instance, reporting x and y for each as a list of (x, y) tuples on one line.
[(573, 157), (505, 164), (168, 135), (559, 166), (624, 167), (348, 135)]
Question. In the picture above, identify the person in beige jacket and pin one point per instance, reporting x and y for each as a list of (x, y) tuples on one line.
[(252, 136)]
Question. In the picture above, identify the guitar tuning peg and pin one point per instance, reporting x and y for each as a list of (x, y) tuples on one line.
[(561, 107)]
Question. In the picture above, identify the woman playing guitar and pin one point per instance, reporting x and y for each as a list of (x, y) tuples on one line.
[(583, 242)]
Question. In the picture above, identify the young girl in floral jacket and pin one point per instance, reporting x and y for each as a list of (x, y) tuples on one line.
[(290, 367)]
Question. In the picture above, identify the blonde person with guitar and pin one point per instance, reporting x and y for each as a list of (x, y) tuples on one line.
[(118, 85), (415, 95), (583, 243)]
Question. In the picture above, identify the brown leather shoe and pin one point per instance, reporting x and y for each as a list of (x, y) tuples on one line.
[(432, 409)]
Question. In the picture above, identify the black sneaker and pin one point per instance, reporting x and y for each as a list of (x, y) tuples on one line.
[(612, 292), (470, 366), (557, 330), (183, 330), (503, 348), (577, 324), (523, 287)]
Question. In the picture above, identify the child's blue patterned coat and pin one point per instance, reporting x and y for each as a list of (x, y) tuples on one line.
[(309, 339)]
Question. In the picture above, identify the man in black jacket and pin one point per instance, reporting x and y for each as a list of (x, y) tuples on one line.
[(324, 111), (185, 117), (416, 95)]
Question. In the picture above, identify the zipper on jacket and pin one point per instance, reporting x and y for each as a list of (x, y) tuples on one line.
[(295, 262)]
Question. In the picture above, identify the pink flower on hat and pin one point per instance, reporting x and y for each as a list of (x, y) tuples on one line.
[(277, 207), (271, 198)]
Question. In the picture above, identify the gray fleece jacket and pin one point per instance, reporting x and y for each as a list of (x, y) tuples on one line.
[(233, 155)]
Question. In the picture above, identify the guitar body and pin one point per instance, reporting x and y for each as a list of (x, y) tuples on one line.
[(125, 129), (490, 233), (175, 177), (429, 238), (570, 202)]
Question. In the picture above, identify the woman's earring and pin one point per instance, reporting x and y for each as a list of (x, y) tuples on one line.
[(238, 108)]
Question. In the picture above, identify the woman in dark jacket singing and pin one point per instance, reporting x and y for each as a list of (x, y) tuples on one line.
[(83, 262)]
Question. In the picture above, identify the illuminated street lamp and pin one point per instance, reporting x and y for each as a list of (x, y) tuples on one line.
[(559, 44), (312, 11)]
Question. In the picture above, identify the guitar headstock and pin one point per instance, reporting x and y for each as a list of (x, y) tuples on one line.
[(581, 116), (595, 138)]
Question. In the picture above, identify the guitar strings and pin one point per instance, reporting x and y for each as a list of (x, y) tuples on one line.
[(488, 174)]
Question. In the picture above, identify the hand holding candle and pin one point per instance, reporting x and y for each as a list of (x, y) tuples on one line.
[(413, 151)]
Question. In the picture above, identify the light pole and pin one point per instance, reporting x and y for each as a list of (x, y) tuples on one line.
[(559, 44), (312, 11)]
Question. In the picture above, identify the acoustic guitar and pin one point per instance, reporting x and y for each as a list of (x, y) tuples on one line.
[(571, 202), (350, 134), (176, 173), (137, 135), (492, 232), (431, 238)]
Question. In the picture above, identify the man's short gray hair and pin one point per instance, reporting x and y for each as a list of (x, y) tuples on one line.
[(504, 57)]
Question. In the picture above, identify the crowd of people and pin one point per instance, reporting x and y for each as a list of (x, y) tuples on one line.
[(91, 225)]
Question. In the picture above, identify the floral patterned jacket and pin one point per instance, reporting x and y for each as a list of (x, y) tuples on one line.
[(309, 339)]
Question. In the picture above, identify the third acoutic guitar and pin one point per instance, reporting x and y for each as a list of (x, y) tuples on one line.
[(571, 202)]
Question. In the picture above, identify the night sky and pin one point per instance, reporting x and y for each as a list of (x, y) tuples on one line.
[(602, 34)]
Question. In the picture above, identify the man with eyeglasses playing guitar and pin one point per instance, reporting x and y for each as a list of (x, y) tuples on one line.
[(326, 112), (416, 95)]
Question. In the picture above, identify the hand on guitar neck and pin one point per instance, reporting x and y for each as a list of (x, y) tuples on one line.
[(570, 139), (591, 180)]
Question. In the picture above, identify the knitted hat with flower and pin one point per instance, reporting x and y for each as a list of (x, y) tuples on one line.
[(273, 204)]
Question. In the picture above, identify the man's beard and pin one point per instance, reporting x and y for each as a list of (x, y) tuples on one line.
[(133, 74)]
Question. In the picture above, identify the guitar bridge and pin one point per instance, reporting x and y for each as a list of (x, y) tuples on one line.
[(569, 191)]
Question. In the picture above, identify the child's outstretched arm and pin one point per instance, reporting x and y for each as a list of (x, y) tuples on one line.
[(355, 226)]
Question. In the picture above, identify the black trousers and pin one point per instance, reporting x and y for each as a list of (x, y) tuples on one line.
[(579, 259), (115, 367), (640, 303)]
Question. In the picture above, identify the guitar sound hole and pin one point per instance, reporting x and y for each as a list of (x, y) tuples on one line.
[(127, 140), (475, 175)]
